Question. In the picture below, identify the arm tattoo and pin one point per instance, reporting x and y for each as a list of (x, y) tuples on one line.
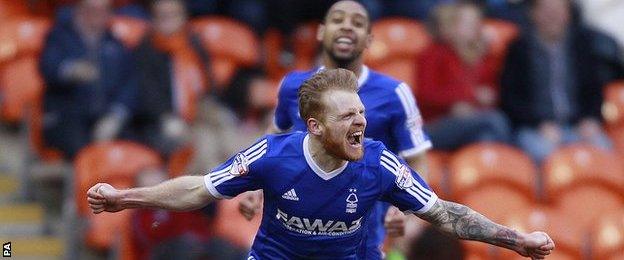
[(462, 222)]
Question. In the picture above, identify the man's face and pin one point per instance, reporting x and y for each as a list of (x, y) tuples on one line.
[(95, 14), (551, 17), (169, 17), (344, 124), (345, 34)]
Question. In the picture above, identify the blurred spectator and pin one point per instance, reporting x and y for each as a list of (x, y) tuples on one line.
[(89, 76), (456, 81), (161, 234), (255, 13), (247, 94), (164, 58), (552, 80)]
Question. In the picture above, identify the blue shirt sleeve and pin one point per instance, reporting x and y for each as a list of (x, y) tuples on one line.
[(402, 186), (238, 174), (282, 118), (407, 124)]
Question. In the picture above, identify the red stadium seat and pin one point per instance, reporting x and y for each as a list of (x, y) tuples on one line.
[(437, 172), (499, 34), (496, 202), (230, 43), (232, 226), (608, 235), (12, 8), (396, 44), (305, 45), (613, 106), (116, 163), (179, 161), (273, 44), (22, 36), (21, 86), (484, 164), (129, 30), (582, 165)]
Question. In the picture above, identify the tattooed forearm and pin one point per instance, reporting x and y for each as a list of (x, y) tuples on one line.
[(463, 222)]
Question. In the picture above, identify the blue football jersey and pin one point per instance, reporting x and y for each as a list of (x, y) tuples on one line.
[(310, 213), (392, 118)]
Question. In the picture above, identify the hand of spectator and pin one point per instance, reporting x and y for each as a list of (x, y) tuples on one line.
[(485, 96), (103, 197), (394, 222), (81, 71), (250, 204), (462, 109), (589, 128), (536, 245), (175, 128), (551, 132), (107, 128)]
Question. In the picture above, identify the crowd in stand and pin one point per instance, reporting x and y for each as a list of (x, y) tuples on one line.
[(544, 91)]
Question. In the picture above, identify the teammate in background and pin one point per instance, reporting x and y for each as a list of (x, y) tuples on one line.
[(319, 186), (392, 114)]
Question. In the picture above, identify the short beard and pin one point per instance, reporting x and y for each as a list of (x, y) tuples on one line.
[(336, 148), (343, 63)]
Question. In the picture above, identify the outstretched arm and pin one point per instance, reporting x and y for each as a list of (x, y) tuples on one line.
[(180, 194), (462, 222)]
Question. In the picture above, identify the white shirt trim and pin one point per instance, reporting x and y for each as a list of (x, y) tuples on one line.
[(426, 207), (416, 150), (315, 168), (211, 188)]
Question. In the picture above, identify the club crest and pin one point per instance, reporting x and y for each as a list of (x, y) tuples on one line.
[(240, 165), (404, 178)]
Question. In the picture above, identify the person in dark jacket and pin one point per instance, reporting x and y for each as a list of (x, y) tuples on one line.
[(89, 77), (551, 86)]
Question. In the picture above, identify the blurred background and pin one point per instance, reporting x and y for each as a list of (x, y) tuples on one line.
[(523, 101)]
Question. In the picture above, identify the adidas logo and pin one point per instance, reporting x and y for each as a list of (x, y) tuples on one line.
[(290, 195)]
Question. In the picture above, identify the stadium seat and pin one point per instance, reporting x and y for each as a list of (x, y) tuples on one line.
[(496, 202), (12, 8), (273, 44), (613, 106), (582, 165), (484, 164), (22, 36), (21, 86), (116, 163), (232, 226), (396, 44), (305, 45), (179, 161), (129, 30), (608, 235), (437, 172), (230, 43), (499, 34)]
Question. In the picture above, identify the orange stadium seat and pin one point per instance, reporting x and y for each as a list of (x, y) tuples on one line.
[(437, 171), (499, 34), (129, 30), (483, 164), (21, 86), (232, 226), (24, 35), (112, 162), (273, 43), (179, 161), (608, 235), (305, 45), (12, 8), (396, 44), (581, 165), (230, 43), (613, 106)]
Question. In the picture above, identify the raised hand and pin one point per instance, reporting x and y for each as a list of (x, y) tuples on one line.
[(104, 197)]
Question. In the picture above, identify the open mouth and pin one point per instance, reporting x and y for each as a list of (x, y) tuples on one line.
[(355, 139), (344, 42)]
